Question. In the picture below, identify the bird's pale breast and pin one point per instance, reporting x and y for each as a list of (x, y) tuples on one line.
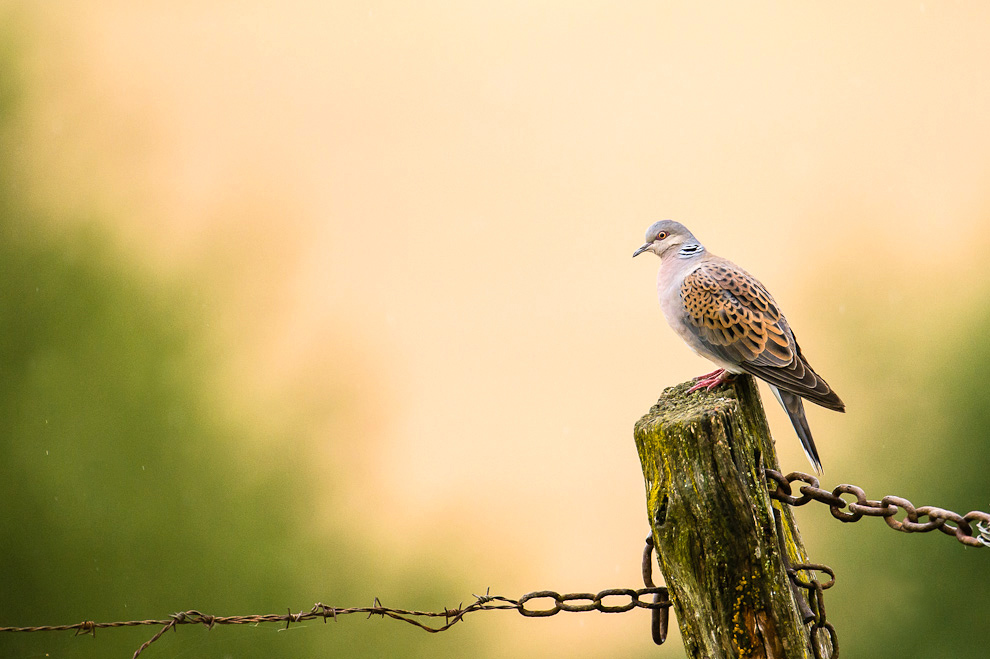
[(669, 280)]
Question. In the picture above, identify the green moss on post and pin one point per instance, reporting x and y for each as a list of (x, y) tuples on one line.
[(703, 456)]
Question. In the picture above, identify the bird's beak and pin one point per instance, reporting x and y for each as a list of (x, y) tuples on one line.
[(643, 248)]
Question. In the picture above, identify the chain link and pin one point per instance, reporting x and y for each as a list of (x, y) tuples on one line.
[(946, 521), (661, 599), (592, 601)]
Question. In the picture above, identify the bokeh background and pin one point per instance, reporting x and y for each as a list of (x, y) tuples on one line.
[(306, 301)]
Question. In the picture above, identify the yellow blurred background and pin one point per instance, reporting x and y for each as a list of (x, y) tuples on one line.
[(401, 235)]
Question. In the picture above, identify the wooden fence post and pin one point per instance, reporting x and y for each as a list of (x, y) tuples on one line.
[(703, 457)]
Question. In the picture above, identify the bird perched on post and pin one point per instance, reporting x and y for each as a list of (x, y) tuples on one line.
[(725, 315)]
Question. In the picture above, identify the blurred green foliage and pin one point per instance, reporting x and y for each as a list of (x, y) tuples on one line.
[(124, 495), (919, 595)]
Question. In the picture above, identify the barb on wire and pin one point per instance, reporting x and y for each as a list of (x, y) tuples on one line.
[(984, 528), (946, 521), (486, 602)]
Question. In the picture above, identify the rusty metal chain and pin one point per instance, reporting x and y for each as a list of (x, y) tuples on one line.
[(824, 641), (946, 521), (816, 597), (592, 601), (812, 605)]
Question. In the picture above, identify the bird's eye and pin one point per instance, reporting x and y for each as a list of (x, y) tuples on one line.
[(661, 235)]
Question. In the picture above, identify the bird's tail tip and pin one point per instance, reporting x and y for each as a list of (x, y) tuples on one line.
[(794, 407)]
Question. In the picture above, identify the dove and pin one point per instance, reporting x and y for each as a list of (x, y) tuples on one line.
[(727, 316)]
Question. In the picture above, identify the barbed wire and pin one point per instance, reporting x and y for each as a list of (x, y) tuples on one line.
[(779, 486), (946, 521), (487, 602)]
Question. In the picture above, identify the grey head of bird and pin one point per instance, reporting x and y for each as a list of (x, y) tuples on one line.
[(666, 237)]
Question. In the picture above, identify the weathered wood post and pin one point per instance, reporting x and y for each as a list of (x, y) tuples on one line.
[(703, 457)]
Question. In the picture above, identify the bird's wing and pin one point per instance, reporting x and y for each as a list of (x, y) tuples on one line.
[(734, 317)]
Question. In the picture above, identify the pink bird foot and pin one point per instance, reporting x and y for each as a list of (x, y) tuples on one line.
[(711, 380)]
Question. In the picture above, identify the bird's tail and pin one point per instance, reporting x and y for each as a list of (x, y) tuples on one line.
[(794, 407)]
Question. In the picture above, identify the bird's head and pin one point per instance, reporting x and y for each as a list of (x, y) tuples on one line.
[(666, 236)]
